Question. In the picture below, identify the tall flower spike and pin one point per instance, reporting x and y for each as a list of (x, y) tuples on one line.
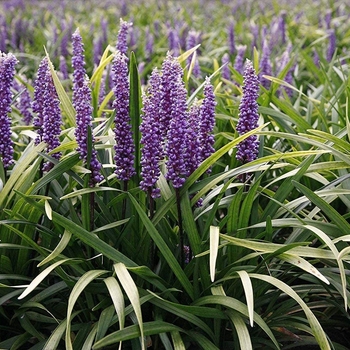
[(7, 72), (282, 26), (174, 41), (265, 65), (285, 58), (24, 103), (122, 44), (152, 150), (239, 60), (124, 144), (193, 142), (171, 71), (176, 146), (207, 121), (331, 45), (38, 99), (247, 150), (231, 38), (83, 108), (63, 68), (78, 63), (52, 119), (149, 44)]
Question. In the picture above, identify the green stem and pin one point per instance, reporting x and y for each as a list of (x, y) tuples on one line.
[(151, 214), (92, 210), (181, 234), (125, 189)]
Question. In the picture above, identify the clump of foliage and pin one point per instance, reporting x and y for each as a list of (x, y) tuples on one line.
[(129, 220)]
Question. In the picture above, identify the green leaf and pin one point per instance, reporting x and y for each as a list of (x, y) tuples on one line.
[(27, 157), (318, 332), (163, 248), (104, 321), (56, 336), (236, 305), (135, 110), (117, 298), (90, 239), (303, 264), (214, 244), (131, 291), (58, 249), (77, 290), (131, 332), (38, 279), (177, 341), (67, 106), (245, 341), (183, 57), (249, 295)]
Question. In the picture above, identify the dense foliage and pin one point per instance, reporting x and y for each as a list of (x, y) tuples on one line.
[(130, 218)]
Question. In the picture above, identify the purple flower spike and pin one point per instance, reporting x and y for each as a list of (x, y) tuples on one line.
[(247, 150), (225, 60), (24, 103), (78, 63), (149, 46), (265, 65), (331, 45), (63, 68), (83, 108), (7, 72), (239, 60), (176, 136), (328, 19), (174, 41), (282, 26), (152, 150), (122, 44), (124, 147), (193, 142), (289, 75), (231, 38), (52, 119), (171, 70), (207, 121), (84, 124), (38, 100)]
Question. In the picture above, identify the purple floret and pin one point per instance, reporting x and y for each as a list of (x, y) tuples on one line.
[(122, 44), (124, 144), (171, 71), (239, 60), (207, 121), (52, 119), (247, 150), (7, 72), (82, 104), (265, 65), (176, 135), (152, 150)]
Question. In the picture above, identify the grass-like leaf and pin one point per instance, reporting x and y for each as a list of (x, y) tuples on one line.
[(74, 295), (318, 332), (131, 291), (37, 280), (214, 244)]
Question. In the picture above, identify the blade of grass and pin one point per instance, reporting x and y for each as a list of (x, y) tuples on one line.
[(131, 291), (75, 293)]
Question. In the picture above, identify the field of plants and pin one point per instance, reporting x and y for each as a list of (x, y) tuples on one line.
[(174, 174)]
